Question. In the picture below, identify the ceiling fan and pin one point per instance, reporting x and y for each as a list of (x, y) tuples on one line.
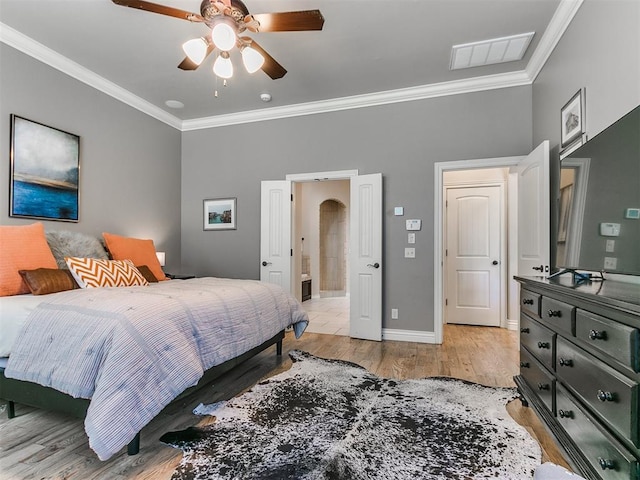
[(228, 19)]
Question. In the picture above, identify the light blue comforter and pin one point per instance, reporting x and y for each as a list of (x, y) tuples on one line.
[(132, 350)]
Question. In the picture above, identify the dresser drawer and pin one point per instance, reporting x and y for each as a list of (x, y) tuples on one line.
[(539, 340), (530, 302), (538, 378), (559, 315), (609, 393), (608, 457), (615, 339)]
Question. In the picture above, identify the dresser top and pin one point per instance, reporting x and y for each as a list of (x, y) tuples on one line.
[(609, 292)]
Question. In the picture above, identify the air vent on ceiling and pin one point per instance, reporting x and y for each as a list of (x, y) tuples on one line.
[(488, 52)]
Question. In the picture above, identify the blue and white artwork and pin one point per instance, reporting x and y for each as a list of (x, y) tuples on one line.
[(45, 171)]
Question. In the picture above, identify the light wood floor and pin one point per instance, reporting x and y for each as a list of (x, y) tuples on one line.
[(38, 444)]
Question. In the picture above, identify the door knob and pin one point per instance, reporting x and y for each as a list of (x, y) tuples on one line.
[(265, 263), (495, 262), (374, 265)]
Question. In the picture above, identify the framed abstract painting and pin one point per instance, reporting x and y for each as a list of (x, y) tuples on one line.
[(45, 172)]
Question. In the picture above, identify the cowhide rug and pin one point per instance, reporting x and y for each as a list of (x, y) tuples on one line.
[(330, 419)]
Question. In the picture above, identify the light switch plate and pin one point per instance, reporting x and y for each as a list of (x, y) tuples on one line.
[(411, 237), (398, 211)]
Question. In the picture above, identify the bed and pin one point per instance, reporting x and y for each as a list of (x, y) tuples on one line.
[(117, 356)]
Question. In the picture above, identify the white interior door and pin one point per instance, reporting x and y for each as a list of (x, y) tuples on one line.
[(275, 233), (366, 257), (473, 256), (534, 212)]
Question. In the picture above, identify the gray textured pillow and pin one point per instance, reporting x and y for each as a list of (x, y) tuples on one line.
[(64, 243)]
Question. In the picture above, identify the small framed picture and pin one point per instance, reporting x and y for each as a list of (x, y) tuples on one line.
[(220, 214), (45, 172), (572, 119)]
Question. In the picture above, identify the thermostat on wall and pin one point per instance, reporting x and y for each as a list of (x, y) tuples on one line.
[(633, 213), (610, 229), (414, 224)]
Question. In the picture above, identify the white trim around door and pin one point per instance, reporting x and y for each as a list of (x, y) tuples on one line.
[(439, 222)]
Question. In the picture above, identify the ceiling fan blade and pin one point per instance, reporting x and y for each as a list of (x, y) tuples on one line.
[(270, 66), (161, 9), (290, 21), (188, 64)]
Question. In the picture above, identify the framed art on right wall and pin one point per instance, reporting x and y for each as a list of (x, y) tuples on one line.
[(572, 119)]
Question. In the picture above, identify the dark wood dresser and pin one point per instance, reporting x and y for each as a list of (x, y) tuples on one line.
[(580, 370)]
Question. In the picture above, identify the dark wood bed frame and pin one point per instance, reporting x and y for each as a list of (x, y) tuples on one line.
[(47, 398)]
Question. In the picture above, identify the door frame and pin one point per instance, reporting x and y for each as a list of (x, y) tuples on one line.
[(439, 233)]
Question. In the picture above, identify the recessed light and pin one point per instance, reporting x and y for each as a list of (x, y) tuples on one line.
[(174, 104), (265, 97)]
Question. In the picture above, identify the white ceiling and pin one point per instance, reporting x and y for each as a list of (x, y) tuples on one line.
[(369, 52)]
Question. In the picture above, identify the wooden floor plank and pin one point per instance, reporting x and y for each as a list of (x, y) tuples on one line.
[(38, 444)]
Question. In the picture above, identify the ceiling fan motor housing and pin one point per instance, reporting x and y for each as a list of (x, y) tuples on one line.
[(210, 10)]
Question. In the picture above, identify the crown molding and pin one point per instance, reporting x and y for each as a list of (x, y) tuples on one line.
[(557, 26), (559, 23), (457, 87), (34, 49)]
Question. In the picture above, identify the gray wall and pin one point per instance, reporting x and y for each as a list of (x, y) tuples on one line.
[(129, 162), (402, 141), (599, 51)]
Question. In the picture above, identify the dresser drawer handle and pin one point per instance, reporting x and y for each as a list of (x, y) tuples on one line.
[(527, 301), (597, 335), (524, 330), (543, 386), (565, 413), (606, 463), (543, 344), (565, 362), (524, 364), (555, 313), (605, 396)]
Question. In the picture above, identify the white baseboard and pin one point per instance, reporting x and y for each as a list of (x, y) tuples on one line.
[(512, 324), (408, 335)]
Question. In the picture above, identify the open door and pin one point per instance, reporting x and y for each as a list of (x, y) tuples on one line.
[(275, 233), (366, 257), (534, 212)]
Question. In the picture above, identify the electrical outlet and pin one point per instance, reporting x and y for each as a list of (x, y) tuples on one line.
[(394, 313), (411, 238), (409, 253), (610, 263)]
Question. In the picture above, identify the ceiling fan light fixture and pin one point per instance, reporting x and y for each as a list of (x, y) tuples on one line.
[(195, 49), (252, 59), (223, 67), (223, 34)]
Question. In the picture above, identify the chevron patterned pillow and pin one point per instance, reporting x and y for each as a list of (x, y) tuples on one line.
[(93, 272)]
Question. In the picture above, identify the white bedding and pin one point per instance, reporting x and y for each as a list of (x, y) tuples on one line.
[(13, 314)]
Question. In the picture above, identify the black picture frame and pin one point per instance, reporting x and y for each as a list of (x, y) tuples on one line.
[(45, 172)]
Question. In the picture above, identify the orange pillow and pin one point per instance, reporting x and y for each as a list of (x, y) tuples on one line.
[(139, 251), (22, 247)]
